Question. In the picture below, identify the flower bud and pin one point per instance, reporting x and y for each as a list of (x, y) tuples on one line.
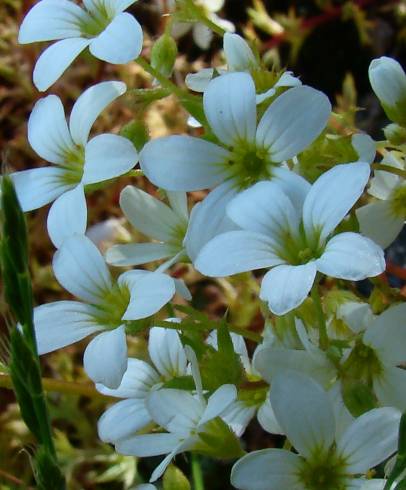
[(395, 134), (388, 81), (163, 54)]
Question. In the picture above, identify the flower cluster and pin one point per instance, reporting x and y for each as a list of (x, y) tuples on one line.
[(327, 371)]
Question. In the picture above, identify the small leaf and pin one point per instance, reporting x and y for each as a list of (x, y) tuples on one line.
[(163, 55)]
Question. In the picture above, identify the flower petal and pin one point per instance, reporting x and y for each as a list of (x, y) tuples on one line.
[(147, 444), (122, 420), (351, 256), (166, 352), (332, 196), (150, 291), (183, 163), (202, 35), (67, 216), (230, 107), (52, 19), (264, 208), (55, 60), (62, 323), (218, 402), (137, 253), (120, 42), (267, 419), (387, 335), (376, 221), (89, 105), (105, 358), (390, 388), (80, 268), (370, 439), (365, 147), (149, 215), (108, 156), (304, 412), (238, 415), (208, 219), (292, 122), (38, 186), (293, 185), (234, 252), (200, 80), (238, 54), (268, 469), (285, 287), (48, 132)]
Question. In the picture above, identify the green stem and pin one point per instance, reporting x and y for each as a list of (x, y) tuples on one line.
[(197, 475), (165, 82), (321, 320), (388, 168)]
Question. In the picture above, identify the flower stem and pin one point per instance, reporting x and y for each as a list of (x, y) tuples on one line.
[(197, 475), (388, 168), (164, 81), (321, 320)]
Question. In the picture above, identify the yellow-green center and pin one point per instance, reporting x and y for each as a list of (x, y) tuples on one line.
[(110, 310), (73, 166), (323, 470)]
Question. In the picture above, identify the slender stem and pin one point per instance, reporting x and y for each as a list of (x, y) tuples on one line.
[(321, 320), (197, 475), (165, 82), (58, 386), (388, 168)]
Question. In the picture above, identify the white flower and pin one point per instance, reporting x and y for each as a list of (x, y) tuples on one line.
[(179, 237), (382, 220), (291, 235), (183, 415), (129, 415), (102, 25), (327, 458), (247, 153), (77, 160), (107, 307), (388, 81)]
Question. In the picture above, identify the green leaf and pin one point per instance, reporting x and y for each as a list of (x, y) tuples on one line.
[(46, 470), (218, 441), (163, 55), (174, 479)]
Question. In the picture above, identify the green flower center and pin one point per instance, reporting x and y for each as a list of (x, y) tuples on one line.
[(73, 166), (112, 307), (324, 471), (299, 249), (178, 235), (398, 201), (248, 165), (97, 20)]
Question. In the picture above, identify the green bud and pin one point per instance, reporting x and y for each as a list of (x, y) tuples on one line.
[(136, 132), (395, 134), (163, 55), (174, 479)]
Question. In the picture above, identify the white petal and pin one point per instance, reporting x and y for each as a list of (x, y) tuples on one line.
[(292, 122), (365, 146), (351, 256), (237, 416), (137, 382), (304, 412), (178, 202), (105, 358), (67, 216), (285, 287), (234, 252), (48, 131), (62, 323), (55, 60), (194, 368), (148, 444), (383, 183), (264, 208), (122, 420), (89, 105), (149, 215), (293, 185), (200, 80), (267, 419), (202, 35), (120, 42), (390, 388), (238, 54), (388, 81), (342, 416), (356, 315), (218, 402), (183, 163), (38, 186), (166, 352), (208, 219), (376, 221), (370, 439), (332, 196), (149, 293), (51, 19), (108, 156), (387, 335), (80, 268), (175, 410), (137, 253), (160, 469), (230, 107), (268, 469)]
